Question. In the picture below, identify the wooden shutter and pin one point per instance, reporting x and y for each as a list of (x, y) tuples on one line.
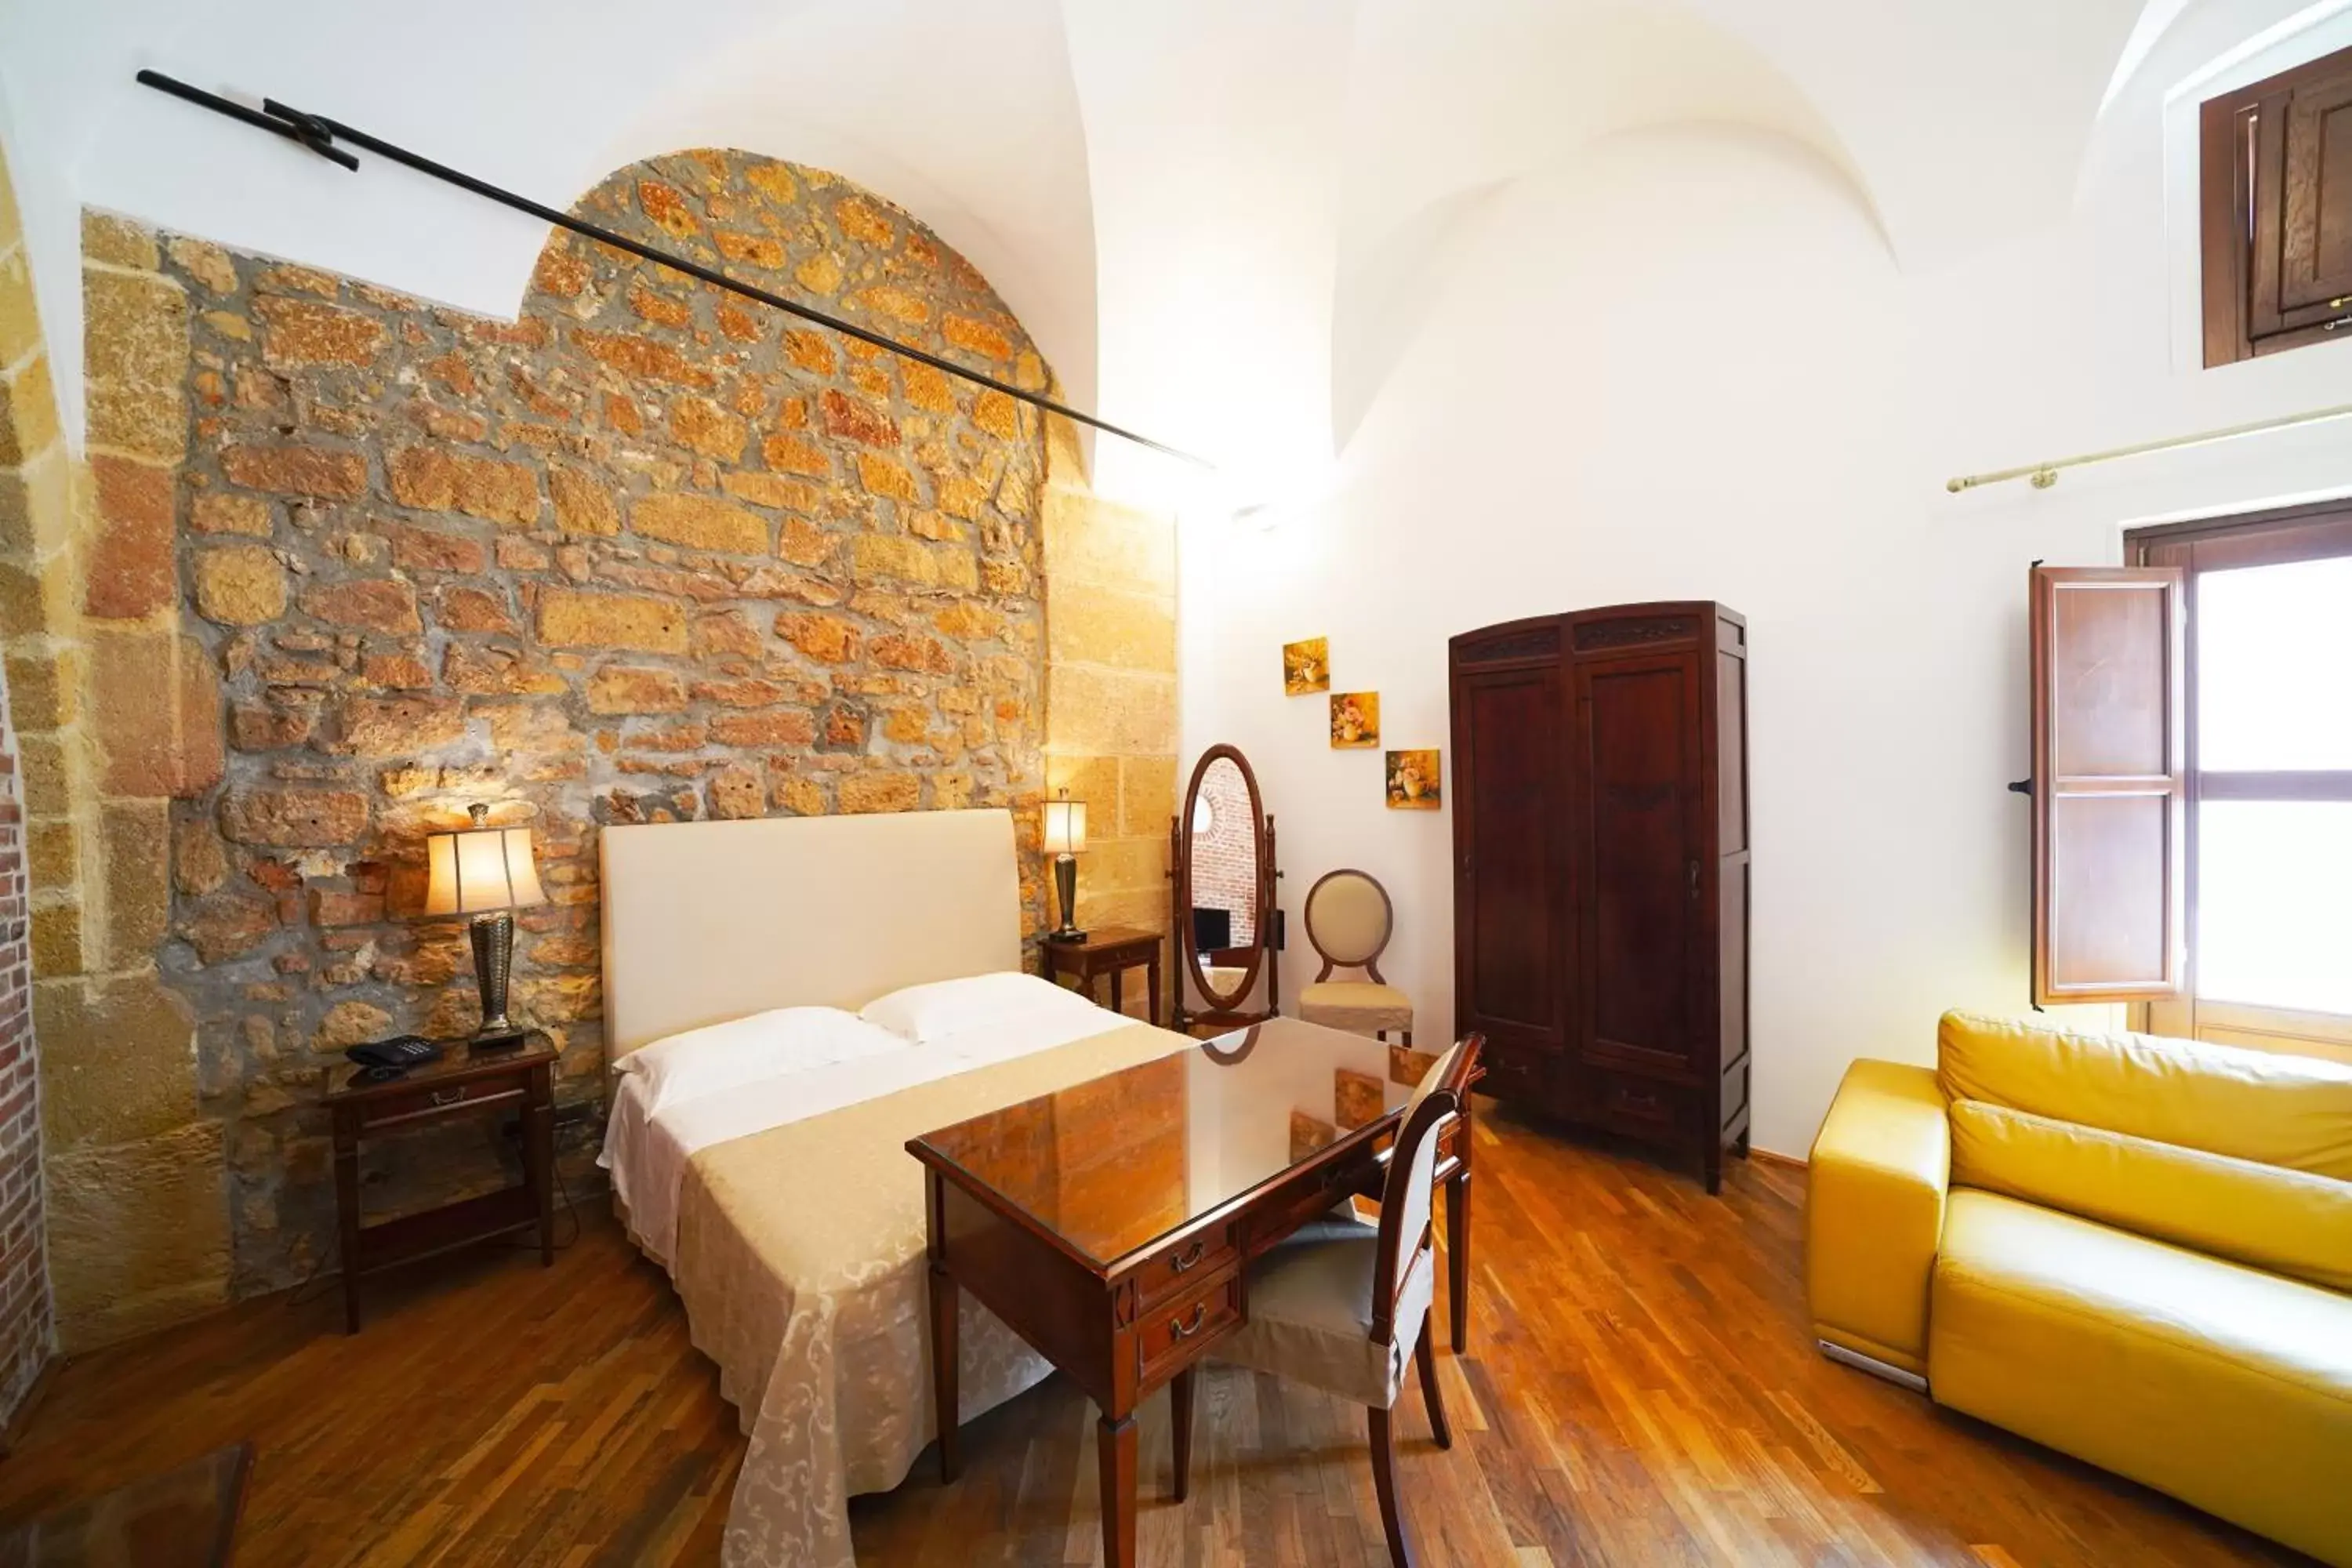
[(2276, 173), (2110, 782)]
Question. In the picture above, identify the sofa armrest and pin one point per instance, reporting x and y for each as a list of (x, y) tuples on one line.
[(1875, 1212)]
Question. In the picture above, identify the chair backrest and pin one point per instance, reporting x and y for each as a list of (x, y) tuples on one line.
[(1404, 1234), (1348, 921)]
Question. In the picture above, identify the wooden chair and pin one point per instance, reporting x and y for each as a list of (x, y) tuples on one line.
[(1348, 921), (1344, 1312)]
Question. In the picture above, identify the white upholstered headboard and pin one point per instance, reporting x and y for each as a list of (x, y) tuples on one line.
[(710, 920)]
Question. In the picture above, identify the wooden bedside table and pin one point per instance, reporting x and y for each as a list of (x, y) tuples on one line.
[(462, 1083), (1112, 951)]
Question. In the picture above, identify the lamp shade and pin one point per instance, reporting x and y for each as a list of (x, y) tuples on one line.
[(1065, 825), (480, 870)]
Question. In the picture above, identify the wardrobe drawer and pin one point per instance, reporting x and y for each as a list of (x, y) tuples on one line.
[(1636, 1104), (1514, 1077)]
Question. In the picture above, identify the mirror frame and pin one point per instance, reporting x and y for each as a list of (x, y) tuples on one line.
[(1223, 1007)]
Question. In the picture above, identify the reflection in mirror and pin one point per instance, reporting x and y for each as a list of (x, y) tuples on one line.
[(1223, 855)]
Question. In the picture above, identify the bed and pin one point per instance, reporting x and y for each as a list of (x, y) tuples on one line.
[(784, 1206)]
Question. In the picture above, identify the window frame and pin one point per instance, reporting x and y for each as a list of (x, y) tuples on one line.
[(2318, 530)]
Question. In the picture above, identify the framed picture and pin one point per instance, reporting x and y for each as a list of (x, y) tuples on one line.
[(1354, 719), (1307, 667), (1412, 781)]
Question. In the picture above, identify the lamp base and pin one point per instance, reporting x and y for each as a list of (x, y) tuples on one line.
[(1066, 882), (504, 1039)]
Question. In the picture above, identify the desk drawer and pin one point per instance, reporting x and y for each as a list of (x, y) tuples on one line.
[(1171, 1333), (1183, 1265), (426, 1099)]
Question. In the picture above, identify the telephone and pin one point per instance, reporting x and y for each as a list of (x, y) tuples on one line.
[(390, 1058)]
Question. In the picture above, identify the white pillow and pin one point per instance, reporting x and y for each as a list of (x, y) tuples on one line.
[(719, 1057), (943, 1007)]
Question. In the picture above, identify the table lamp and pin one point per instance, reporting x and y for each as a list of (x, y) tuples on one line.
[(486, 872), (1065, 835)]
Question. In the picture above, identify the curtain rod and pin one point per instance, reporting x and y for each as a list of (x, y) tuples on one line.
[(318, 132), (2044, 474)]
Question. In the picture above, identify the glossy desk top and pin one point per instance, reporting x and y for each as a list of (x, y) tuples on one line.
[(1114, 1164)]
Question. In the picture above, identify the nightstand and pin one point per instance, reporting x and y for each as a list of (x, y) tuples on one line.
[(1112, 951), (521, 1081)]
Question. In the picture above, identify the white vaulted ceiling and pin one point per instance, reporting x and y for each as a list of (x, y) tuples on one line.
[(1214, 215)]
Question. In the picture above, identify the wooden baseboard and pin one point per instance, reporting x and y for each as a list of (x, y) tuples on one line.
[(1794, 1162)]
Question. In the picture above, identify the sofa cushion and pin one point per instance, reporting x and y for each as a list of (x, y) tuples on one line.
[(2288, 1222), (2228, 1387), (2289, 1111)]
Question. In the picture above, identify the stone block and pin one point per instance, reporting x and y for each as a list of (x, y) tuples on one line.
[(20, 320), (376, 604), (135, 334), (240, 585), (205, 262), (894, 557), (60, 945), (699, 522), (399, 726), (1102, 626), (45, 688), (37, 511), (218, 512), (1111, 712), (435, 479), (139, 1235), (583, 503), (1092, 779), (29, 413), (852, 420), (300, 333), (1127, 864), (53, 854), (294, 818), (1091, 542), (228, 926), (348, 1024), (570, 618), (118, 242), (155, 706), (42, 763), (199, 859), (295, 470), (881, 792), (1146, 794), (118, 1059), (625, 688), (132, 570)]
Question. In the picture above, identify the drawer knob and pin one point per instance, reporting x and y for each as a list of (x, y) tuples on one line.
[(1179, 1330), (1181, 1264), (448, 1096)]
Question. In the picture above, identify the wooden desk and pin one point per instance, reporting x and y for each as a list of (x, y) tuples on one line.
[(1112, 951), (462, 1083), (1109, 1225)]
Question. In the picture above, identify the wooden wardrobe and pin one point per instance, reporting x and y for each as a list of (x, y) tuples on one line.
[(1601, 869)]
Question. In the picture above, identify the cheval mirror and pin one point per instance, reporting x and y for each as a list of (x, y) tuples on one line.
[(1221, 860)]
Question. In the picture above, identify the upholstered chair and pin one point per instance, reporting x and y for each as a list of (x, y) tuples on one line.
[(1350, 921), (1346, 1309)]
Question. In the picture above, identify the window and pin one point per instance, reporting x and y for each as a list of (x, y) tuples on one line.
[(2268, 824), (2276, 211)]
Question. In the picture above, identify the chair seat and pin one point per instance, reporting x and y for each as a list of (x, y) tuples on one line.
[(1310, 1319), (1359, 1006)]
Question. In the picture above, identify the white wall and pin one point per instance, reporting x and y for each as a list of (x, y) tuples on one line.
[(1683, 364)]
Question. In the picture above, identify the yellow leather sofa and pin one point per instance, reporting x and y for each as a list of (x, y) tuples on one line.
[(2133, 1249)]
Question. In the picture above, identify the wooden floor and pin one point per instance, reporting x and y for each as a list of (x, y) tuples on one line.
[(1640, 1391)]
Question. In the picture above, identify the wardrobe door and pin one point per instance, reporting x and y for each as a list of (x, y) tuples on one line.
[(1510, 806), (1640, 863)]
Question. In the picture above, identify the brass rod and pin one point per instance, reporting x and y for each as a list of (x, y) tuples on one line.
[(2044, 474)]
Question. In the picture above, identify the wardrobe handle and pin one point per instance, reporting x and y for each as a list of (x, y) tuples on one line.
[(1693, 879)]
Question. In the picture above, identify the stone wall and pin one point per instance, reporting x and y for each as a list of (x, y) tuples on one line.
[(29, 449), (650, 552), (1110, 680)]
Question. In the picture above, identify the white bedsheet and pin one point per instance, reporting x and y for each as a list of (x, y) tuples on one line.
[(647, 1155)]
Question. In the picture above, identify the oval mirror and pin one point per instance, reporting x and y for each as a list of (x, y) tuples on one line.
[(1224, 872)]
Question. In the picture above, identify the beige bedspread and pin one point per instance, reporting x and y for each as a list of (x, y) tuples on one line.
[(801, 1260)]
